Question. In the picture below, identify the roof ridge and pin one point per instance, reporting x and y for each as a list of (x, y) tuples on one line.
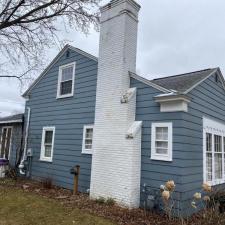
[(184, 74)]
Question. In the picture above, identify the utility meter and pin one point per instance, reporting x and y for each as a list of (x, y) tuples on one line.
[(29, 152)]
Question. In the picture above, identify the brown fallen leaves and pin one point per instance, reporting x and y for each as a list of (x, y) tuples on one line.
[(113, 212)]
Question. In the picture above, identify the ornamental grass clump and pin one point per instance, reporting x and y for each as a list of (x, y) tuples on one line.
[(167, 191)]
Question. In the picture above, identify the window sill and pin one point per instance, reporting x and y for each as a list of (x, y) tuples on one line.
[(64, 96), (46, 160), (161, 158), (86, 152)]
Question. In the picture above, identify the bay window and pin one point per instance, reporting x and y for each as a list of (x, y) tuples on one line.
[(214, 151)]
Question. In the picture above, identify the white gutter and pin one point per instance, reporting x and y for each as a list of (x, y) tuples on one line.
[(21, 166)]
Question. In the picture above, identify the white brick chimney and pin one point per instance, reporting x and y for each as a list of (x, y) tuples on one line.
[(116, 162)]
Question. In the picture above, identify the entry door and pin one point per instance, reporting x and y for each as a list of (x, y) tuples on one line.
[(5, 142)]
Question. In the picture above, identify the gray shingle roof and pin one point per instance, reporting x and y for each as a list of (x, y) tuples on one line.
[(18, 118), (183, 82)]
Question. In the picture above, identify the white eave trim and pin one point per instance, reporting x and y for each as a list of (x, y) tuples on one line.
[(146, 81), (53, 62), (11, 121), (171, 97)]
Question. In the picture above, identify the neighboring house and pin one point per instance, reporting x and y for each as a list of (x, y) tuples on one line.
[(11, 129), (126, 132)]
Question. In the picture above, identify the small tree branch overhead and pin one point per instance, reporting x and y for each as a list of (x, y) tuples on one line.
[(28, 27)]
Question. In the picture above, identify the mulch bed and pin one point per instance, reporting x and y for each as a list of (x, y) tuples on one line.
[(113, 212)]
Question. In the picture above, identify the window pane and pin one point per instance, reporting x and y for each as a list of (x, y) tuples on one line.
[(162, 133), (88, 138), (209, 166), (48, 137), (88, 146), (218, 143), (66, 87), (88, 141), (218, 166), (8, 140), (2, 152), (67, 73), (89, 133), (209, 142), (163, 151), (161, 144), (48, 150)]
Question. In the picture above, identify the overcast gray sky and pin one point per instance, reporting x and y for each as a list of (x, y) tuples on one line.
[(175, 36)]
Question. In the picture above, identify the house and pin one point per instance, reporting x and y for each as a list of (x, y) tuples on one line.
[(128, 134), (11, 129)]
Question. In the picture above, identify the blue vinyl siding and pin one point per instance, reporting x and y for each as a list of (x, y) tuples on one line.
[(68, 115), (186, 169), (153, 172), (207, 99)]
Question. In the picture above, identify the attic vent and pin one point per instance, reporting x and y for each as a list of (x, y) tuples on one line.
[(67, 54), (216, 78)]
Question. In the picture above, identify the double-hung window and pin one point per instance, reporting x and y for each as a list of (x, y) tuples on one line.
[(87, 145), (47, 145), (214, 151), (66, 80), (5, 142), (161, 141)]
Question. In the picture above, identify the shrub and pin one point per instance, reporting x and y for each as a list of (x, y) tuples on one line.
[(167, 191), (100, 200), (110, 201)]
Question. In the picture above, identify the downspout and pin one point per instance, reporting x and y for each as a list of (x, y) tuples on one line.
[(21, 166), (18, 158)]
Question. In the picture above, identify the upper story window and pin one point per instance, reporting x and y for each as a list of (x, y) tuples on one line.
[(47, 144), (161, 141), (66, 80), (87, 139)]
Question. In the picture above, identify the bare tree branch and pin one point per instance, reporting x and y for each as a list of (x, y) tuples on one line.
[(29, 27)]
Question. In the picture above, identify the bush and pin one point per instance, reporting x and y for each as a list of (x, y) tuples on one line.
[(100, 200), (110, 201)]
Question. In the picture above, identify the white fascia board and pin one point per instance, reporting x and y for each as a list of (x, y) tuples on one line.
[(171, 97), (11, 121)]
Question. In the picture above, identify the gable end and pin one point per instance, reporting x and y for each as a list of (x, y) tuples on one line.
[(60, 54)]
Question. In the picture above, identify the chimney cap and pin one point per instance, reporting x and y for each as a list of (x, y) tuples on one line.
[(113, 3)]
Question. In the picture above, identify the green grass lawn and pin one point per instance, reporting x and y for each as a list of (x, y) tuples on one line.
[(20, 208)]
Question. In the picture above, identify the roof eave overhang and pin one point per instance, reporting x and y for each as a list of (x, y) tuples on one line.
[(169, 98), (11, 121)]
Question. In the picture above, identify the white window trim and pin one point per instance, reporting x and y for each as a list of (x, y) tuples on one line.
[(60, 78), (10, 144), (42, 157), (87, 151), (161, 157), (215, 128)]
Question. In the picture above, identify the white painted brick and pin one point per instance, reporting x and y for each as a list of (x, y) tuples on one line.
[(116, 160)]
